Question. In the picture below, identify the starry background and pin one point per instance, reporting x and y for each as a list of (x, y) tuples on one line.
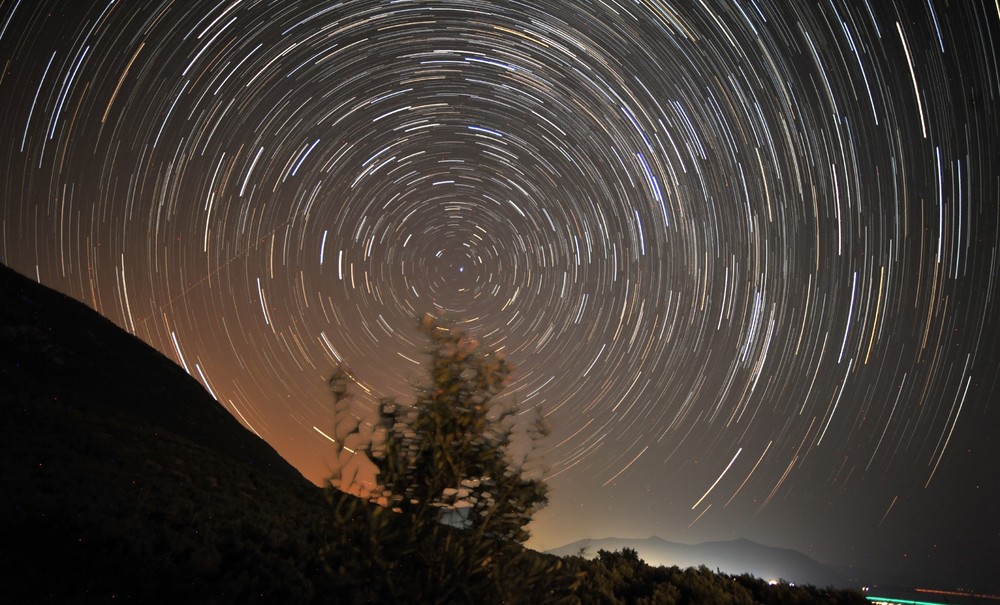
[(744, 254)]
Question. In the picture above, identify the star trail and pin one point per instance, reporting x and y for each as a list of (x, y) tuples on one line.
[(744, 254)]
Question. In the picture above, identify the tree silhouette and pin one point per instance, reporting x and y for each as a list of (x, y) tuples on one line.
[(456, 474)]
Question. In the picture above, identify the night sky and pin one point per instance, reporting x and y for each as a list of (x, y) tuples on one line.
[(744, 254)]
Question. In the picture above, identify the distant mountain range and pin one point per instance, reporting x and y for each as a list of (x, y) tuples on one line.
[(731, 557)]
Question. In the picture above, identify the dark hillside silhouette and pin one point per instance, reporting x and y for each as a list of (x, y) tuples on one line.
[(124, 479), (55, 344)]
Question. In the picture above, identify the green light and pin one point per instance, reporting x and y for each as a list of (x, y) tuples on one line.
[(891, 601)]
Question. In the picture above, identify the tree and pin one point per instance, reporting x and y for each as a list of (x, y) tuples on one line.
[(458, 472)]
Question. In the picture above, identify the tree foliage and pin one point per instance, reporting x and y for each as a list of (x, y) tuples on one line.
[(456, 476)]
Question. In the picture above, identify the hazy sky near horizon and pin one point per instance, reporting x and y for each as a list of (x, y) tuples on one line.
[(744, 254)]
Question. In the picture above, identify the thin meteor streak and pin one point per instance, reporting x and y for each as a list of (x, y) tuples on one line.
[(716, 482)]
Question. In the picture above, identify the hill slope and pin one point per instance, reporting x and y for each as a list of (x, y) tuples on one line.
[(124, 478)]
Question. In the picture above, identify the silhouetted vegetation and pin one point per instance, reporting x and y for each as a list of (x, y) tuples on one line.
[(621, 577), (455, 478)]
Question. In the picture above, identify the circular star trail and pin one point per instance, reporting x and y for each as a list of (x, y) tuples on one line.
[(744, 254)]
